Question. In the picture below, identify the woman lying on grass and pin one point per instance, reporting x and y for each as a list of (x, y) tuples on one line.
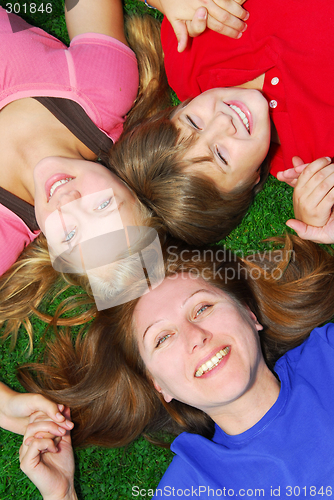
[(202, 163), (222, 353)]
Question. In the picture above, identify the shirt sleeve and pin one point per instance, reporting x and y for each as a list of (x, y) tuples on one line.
[(180, 480), (14, 237)]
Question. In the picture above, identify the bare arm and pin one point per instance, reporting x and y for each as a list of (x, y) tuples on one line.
[(95, 16)]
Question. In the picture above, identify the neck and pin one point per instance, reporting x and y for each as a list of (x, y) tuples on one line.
[(29, 133), (243, 413)]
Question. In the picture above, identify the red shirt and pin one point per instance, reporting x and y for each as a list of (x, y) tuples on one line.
[(292, 42)]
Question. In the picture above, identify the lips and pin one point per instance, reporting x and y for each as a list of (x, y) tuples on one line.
[(212, 362), (53, 184), (243, 114)]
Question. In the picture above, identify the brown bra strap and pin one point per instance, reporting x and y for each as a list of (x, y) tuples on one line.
[(21, 208), (73, 116)]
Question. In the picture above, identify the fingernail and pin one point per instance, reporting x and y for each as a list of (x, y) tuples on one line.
[(69, 424), (244, 29), (328, 158), (60, 429), (59, 415), (202, 14), (246, 16), (239, 36)]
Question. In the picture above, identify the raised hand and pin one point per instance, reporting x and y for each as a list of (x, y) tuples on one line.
[(192, 17), (313, 200), (48, 463), (313, 196)]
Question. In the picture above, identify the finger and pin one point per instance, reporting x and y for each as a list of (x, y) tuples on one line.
[(44, 435), (297, 161), (323, 194), (218, 8), (198, 24), (180, 30), (44, 416), (289, 176), (44, 427), (44, 405), (300, 227), (231, 27), (312, 169), (306, 232), (315, 191), (30, 456)]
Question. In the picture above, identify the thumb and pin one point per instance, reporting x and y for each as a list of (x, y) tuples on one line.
[(297, 161), (180, 30), (198, 24), (306, 232), (298, 226)]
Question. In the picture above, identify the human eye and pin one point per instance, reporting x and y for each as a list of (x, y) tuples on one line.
[(192, 123), (162, 339), (201, 310), (220, 156), (104, 205), (70, 235)]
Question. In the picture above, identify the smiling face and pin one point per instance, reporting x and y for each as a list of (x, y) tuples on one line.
[(77, 200), (198, 345), (232, 126)]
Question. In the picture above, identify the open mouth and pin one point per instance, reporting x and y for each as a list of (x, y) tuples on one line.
[(57, 184), (213, 362), (242, 116)]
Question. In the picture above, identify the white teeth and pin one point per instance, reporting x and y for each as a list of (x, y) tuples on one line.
[(58, 183), (242, 116), (213, 362)]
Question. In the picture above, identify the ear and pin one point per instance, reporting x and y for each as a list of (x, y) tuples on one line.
[(164, 394), (257, 325)]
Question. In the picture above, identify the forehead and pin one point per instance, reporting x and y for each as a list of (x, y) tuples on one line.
[(171, 296)]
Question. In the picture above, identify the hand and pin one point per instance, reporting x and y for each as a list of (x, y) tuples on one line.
[(192, 17), (323, 234), (291, 175), (16, 408), (313, 195), (48, 464)]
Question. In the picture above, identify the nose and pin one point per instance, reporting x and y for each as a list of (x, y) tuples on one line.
[(67, 197), (222, 122), (195, 336)]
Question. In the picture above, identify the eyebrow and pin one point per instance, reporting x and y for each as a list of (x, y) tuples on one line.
[(210, 158), (183, 304)]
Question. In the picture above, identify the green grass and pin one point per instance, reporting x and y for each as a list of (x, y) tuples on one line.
[(111, 474)]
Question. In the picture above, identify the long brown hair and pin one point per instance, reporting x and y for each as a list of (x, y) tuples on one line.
[(102, 377), (32, 278), (149, 157)]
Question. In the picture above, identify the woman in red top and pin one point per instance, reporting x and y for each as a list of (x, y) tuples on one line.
[(283, 55)]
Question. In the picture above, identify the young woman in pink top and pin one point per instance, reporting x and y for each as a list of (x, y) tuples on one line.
[(70, 102)]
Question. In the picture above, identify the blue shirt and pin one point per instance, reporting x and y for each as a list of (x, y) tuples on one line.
[(288, 453)]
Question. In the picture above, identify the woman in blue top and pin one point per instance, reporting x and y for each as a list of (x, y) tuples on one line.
[(221, 349)]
